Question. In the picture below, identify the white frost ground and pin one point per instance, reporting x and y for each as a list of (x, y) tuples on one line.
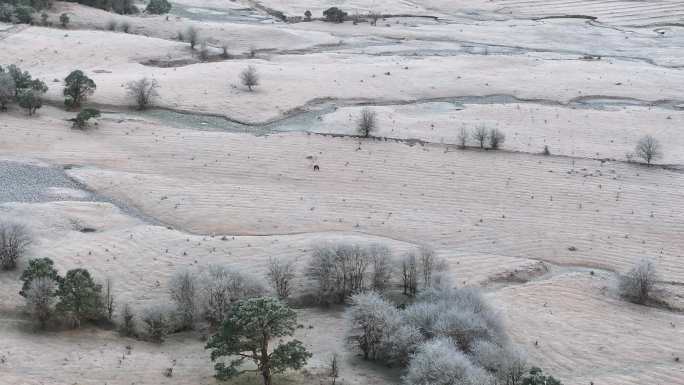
[(500, 218)]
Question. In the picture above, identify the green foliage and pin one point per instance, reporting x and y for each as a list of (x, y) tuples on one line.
[(246, 335), (334, 15), (38, 268), (30, 99), (124, 7), (6, 12), (80, 296), (77, 88), (81, 120), (536, 377), (23, 14), (7, 90), (158, 7), (64, 20)]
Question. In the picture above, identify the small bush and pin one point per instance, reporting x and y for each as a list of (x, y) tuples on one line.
[(648, 149), (367, 122), (639, 283), (81, 120), (249, 77), (158, 322), (143, 91), (111, 25), (14, 240)]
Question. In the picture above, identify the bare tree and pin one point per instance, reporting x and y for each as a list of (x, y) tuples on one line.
[(427, 260), (639, 283), (249, 77), (40, 299), (108, 298), (192, 35), (496, 138), (338, 271), (280, 274), (507, 363), (220, 286), (367, 122), (333, 368), (204, 51), (127, 326), (409, 274), (480, 135), (463, 138), (368, 315), (14, 239), (143, 91), (648, 149), (183, 290), (381, 277)]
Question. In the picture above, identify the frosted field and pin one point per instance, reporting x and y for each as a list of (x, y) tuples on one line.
[(216, 174)]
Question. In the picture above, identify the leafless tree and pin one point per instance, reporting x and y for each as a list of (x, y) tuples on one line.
[(249, 77), (648, 149), (204, 51), (496, 138), (409, 274), (480, 135), (367, 122), (108, 298), (127, 326), (183, 290), (40, 299), (14, 240), (639, 283), (220, 286), (143, 91), (333, 368), (280, 274), (192, 35), (337, 271), (463, 138), (381, 258), (506, 362)]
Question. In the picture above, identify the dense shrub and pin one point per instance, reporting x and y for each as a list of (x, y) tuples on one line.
[(158, 322), (367, 122), (82, 118)]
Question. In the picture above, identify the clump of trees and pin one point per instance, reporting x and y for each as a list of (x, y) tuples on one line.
[(334, 15), (75, 298), (648, 148), (246, 335), (480, 135), (249, 77), (77, 88), (447, 336), (158, 7), (367, 122), (638, 285), (124, 7), (14, 240), (143, 92), (17, 85)]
